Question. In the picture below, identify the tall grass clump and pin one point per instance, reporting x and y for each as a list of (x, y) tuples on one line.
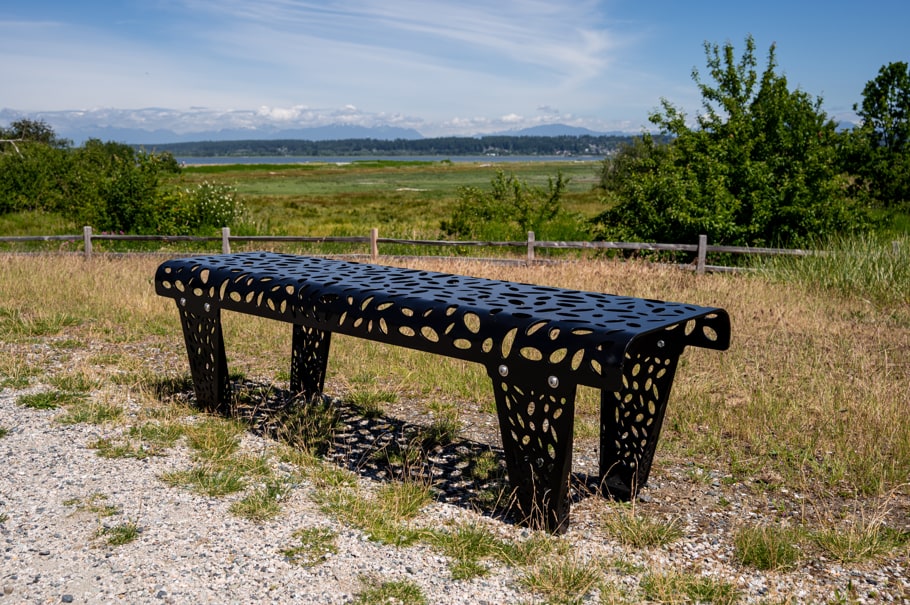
[(861, 265)]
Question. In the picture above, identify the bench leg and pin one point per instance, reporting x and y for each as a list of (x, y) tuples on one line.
[(536, 416), (205, 350), (630, 419), (309, 358)]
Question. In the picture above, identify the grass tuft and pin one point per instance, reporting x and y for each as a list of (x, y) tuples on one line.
[(262, 504), (311, 426), (91, 412), (385, 516), (208, 480), (213, 438), (767, 547), (467, 545), (95, 504), (369, 403), (313, 546), (678, 587), (632, 529), (861, 541), (121, 534), (562, 580), (48, 400), (400, 592)]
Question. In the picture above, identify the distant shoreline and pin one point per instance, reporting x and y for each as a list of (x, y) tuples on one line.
[(492, 159)]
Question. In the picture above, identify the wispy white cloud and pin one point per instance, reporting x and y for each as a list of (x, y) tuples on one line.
[(301, 62)]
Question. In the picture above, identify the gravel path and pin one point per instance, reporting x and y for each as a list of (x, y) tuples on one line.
[(192, 550)]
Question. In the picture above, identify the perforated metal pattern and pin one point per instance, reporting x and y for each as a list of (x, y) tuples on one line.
[(309, 357), (205, 349), (548, 329), (631, 418), (536, 416)]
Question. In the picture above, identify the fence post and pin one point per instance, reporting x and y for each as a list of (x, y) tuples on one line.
[(702, 254), (374, 244), (530, 246), (225, 240), (87, 242)]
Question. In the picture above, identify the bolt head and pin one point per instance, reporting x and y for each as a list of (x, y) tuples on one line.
[(553, 381), (503, 370), (182, 302), (207, 307)]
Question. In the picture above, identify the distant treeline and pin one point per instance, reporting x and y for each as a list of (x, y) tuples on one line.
[(584, 145)]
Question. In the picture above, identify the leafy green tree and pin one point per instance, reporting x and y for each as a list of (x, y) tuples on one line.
[(33, 167), (35, 131), (878, 152), (758, 168)]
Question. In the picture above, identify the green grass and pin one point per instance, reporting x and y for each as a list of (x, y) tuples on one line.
[(686, 587), (623, 523), (873, 267), (308, 426), (400, 592), (118, 535), (18, 325), (349, 200), (369, 402), (95, 504), (262, 504), (90, 412), (767, 547), (562, 580), (311, 546), (214, 439), (208, 480), (861, 541), (109, 448), (49, 400), (467, 546), (385, 516)]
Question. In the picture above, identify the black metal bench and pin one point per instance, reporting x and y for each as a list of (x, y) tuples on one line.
[(537, 343)]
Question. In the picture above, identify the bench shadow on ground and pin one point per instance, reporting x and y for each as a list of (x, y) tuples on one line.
[(462, 472)]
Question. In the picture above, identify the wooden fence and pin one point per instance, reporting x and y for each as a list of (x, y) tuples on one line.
[(700, 249)]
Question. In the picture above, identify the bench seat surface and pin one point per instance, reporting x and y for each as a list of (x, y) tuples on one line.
[(585, 334)]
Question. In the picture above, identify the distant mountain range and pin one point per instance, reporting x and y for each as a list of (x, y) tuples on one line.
[(335, 132), (161, 126), (136, 136)]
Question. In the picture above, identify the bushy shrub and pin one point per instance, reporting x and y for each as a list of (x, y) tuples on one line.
[(200, 208), (510, 209)]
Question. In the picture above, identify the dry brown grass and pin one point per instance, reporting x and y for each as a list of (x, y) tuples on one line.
[(812, 394)]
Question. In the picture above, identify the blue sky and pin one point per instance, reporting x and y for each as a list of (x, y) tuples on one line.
[(442, 67)]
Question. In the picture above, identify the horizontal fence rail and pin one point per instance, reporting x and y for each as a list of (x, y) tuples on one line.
[(701, 249)]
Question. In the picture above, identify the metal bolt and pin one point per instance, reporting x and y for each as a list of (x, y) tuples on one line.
[(182, 302), (207, 307), (553, 381), (661, 344), (503, 370)]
